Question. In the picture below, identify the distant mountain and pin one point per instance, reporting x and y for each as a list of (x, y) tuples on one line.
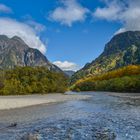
[(122, 50), (69, 73), (15, 52)]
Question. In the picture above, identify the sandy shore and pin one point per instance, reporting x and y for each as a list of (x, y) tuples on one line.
[(10, 102)]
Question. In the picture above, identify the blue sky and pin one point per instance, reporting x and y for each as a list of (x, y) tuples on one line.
[(69, 32)]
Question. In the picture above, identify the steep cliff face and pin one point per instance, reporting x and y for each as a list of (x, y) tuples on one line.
[(122, 50), (15, 52)]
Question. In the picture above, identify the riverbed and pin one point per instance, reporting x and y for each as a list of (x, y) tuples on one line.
[(103, 116), (20, 101)]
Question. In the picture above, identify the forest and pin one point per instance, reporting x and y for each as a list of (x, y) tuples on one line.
[(33, 80), (29, 80), (126, 79)]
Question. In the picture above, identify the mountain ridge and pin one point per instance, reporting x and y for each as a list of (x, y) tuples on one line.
[(122, 50), (15, 52)]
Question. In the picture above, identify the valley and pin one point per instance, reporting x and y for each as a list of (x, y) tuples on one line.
[(69, 69)]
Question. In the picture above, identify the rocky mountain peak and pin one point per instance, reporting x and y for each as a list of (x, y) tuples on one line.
[(122, 50), (15, 52)]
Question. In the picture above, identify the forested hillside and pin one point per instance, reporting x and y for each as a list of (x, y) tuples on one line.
[(28, 80), (126, 79), (122, 50)]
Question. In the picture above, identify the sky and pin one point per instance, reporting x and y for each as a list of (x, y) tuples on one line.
[(70, 33)]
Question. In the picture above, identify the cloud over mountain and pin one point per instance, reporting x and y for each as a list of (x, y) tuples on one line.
[(28, 33), (66, 65), (126, 12)]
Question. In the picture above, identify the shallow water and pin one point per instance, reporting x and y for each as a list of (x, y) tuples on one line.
[(101, 117)]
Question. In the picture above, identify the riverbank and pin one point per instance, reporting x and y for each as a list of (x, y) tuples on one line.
[(125, 95), (11, 102)]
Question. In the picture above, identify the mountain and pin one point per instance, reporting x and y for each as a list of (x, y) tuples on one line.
[(69, 73), (15, 52), (122, 50)]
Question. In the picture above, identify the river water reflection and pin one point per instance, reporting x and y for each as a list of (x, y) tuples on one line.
[(101, 117)]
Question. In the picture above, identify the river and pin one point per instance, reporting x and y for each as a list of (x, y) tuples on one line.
[(101, 117)]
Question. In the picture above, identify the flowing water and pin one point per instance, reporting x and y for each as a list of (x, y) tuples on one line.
[(101, 117)]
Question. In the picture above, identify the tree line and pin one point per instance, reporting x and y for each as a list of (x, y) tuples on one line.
[(29, 80), (126, 79)]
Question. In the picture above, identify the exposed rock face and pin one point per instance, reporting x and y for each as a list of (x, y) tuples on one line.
[(15, 52), (122, 50)]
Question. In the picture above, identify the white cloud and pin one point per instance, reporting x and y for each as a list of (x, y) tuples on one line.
[(5, 9), (66, 65), (110, 12), (126, 12), (37, 26), (70, 12), (29, 34)]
